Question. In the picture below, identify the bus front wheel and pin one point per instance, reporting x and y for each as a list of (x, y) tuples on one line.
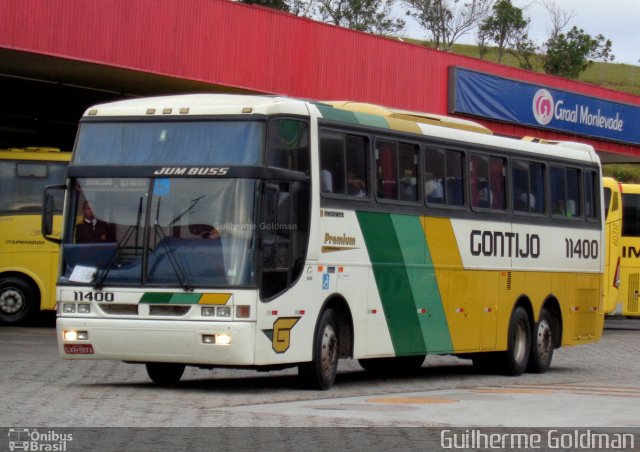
[(18, 300), (542, 341), (321, 372), (165, 373)]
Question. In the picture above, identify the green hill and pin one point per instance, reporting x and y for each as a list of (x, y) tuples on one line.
[(618, 76)]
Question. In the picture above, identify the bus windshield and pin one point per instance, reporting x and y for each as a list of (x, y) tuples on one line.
[(25, 180), (163, 232), (170, 143)]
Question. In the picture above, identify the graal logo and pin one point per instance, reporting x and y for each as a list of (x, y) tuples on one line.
[(32, 440), (543, 107)]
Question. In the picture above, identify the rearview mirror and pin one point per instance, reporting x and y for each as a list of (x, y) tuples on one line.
[(52, 202)]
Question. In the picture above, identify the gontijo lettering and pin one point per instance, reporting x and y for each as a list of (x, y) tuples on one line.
[(504, 244)]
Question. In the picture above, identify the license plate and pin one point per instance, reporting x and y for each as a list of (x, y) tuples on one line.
[(78, 349)]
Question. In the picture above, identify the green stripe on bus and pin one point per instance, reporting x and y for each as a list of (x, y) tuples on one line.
[(170, 298), (185, 298), (424, 286), (335, 114), (367, 119), (393, 282), (156, 297)]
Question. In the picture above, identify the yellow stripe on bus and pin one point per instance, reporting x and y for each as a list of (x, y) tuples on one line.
[(214, 298)]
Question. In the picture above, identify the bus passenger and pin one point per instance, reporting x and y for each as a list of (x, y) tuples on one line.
[(356, 186)]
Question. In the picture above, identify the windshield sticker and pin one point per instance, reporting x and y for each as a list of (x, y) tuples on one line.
[(82, 274), (162, 187)]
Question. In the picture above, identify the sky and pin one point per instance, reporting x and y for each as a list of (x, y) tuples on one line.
[(617, 20)]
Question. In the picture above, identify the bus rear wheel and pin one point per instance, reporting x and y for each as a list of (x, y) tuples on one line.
[(321, 372), (165, 373), (18, 300), (542, 341), (516, 358)]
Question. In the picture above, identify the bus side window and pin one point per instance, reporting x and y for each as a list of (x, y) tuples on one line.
[(343, 164), (573, 193), (332, 164), (565, 190), (527, 182), (590, 195), (479, 181), (557, 184), (408, 170), (434, 176), (288, 144), (387, 169)]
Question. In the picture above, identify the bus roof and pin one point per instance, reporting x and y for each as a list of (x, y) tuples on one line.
[(362, 114), (35, 153)]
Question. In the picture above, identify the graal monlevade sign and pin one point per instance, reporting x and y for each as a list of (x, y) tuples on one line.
[(503, 99)]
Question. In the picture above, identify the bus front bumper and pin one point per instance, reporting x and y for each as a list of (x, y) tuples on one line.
[(191, 342)]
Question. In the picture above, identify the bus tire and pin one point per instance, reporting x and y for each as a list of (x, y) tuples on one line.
[(165, 374), (18, 300), (542, 341), (321, 372), (400, 364), (516, 358)]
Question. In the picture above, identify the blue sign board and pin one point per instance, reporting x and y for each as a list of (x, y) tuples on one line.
[(488, 96)]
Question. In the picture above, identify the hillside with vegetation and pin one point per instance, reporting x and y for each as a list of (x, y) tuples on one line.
[(618, 76)]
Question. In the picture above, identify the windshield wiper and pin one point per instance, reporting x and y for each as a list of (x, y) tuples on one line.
[(102, 275), (177, 269)]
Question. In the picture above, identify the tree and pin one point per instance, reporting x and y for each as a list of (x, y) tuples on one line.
[(571, 53), (372, 16), (560, 18), (505, 27), (447, 20)]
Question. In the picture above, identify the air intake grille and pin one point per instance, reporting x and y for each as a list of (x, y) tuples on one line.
[(172, 311), (120, 309)]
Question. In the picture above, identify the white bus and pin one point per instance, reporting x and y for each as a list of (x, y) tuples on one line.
[(269, 232)]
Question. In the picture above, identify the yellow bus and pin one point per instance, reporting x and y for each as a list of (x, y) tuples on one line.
[(613, 243), (270, 232), (28, 264), (629, 274)]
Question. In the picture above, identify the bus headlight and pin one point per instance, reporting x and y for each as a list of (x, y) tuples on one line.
[(208, 312), (223, 339), (216, 339), (70, 335), (84, 308), (223, 311), (69, 307)]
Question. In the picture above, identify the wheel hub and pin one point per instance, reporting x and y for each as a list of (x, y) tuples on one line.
[(11, 301), (329, 355), (543, 342)]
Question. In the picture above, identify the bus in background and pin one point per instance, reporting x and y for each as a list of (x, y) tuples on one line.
[(269, 232), (613, 243), (28, 263), (627, 304)]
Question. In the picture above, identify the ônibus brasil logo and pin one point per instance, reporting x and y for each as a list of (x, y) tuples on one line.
[(543, 107)]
